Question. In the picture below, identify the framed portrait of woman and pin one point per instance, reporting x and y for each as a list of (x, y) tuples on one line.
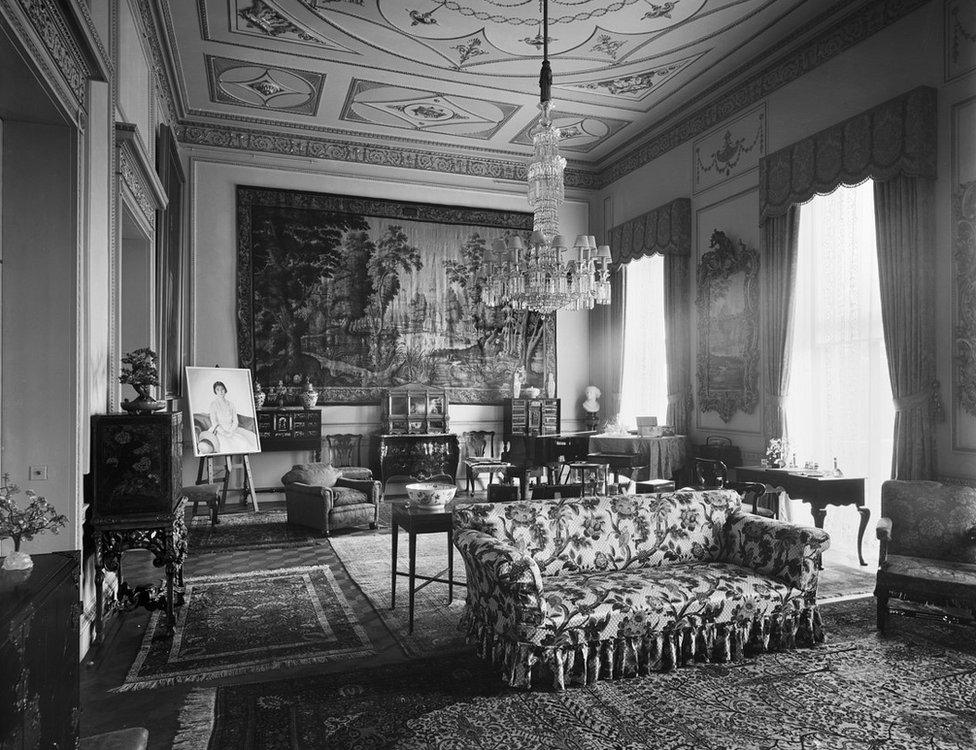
[(221, 410)]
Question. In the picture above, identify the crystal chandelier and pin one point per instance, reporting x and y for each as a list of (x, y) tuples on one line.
[(536, 277)]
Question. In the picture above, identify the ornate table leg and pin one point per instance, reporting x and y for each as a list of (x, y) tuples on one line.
[(99, 582), (413, 572), (865, 517), (393, 563)]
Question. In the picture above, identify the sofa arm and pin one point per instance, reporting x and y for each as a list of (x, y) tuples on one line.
[(300, 490), (368, 487), (784, 551), (504, 579)]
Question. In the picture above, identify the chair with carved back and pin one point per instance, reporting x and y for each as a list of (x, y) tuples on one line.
[(344, 454), (480, 458), (711, 474), (928, 552)]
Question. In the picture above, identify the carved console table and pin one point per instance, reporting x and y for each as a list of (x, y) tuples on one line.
[(418, 456), (164, 536)]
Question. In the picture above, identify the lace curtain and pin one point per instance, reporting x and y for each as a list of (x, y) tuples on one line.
[(839, 403), (644, 385)]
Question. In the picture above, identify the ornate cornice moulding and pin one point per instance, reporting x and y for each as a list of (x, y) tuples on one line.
[(61, 42), (271, 142)]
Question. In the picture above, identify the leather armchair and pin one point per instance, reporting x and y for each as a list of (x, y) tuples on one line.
[(928, 551)]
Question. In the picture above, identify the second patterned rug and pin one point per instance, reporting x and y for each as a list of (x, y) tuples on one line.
[(248, 623)]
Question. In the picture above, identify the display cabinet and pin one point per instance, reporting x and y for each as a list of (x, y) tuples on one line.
[(291, 428), (531, 416), (415, 408)]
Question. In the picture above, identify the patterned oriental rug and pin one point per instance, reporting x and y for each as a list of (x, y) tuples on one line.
[(435, 626), (915, 688), (250, 622), (237, 531)]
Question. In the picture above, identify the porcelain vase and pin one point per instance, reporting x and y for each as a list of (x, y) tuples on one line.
[(18, 560)]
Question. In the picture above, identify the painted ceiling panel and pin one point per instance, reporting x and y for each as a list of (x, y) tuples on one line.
[(463, 74)]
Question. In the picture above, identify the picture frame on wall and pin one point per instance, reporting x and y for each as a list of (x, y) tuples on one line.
[(728, 327), (221, 411), (171, 267)]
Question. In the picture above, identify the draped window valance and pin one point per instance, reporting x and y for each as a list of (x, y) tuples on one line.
[(897, 137), (665, 230)]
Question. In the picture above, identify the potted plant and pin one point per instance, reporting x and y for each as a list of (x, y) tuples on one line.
[(140, 369), (23, 524)]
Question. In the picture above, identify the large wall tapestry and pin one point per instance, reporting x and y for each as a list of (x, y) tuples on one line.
[(728, 327), (360, 294)]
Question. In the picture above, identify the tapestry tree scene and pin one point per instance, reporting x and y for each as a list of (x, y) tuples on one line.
[(359, 295)]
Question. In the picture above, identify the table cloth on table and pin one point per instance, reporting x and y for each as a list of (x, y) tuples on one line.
[(664, 455)]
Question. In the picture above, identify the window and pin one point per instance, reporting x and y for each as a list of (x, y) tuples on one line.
[(644, 385), (839, 402)]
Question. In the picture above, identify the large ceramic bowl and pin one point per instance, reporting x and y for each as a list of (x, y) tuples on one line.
[(431, 494), (531, 392)]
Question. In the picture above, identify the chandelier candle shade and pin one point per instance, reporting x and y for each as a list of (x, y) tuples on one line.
[(536, 277)]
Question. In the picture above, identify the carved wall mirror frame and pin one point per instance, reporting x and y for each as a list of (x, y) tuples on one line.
[(728, 327)]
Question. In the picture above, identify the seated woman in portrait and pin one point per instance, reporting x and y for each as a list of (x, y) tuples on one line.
[(225, 434)]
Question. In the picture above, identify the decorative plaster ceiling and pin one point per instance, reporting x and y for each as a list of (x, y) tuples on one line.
[(462, 75)]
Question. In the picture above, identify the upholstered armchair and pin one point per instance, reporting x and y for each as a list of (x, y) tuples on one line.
[(319, 496), (928, 550)]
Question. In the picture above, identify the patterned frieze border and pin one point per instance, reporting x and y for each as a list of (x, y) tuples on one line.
[(846, 33), (162, 72), (359, 153)]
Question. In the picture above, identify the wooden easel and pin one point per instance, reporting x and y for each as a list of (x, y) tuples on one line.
[(206, 467)]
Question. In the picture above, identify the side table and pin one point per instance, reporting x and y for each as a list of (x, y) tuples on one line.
[(419, 520), (164, 535)]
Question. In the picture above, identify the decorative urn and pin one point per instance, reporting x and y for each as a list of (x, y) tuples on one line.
[(309, 397), (259, 396)]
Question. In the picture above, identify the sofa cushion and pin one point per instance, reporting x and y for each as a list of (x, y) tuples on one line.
[(347, 496), (315, 474), (651, 602), (609, 533)]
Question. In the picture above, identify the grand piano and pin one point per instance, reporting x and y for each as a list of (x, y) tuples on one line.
[(530, 454)]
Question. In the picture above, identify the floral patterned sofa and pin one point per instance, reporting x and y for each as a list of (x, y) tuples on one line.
[(594, 588)]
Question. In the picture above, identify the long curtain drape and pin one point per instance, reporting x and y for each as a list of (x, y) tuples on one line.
[(893, 143), (666, 231), (777, 264), (677, 336), (618, 322), (904, 224)]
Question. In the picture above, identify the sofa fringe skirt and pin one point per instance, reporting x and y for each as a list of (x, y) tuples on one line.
[(630, 656)]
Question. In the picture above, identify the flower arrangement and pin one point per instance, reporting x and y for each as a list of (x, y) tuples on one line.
[(776, 452), (140, 368), (25, 523)]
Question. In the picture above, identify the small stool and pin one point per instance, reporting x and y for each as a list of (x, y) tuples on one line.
[(209, 494), (592, 476), (654, 485)]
